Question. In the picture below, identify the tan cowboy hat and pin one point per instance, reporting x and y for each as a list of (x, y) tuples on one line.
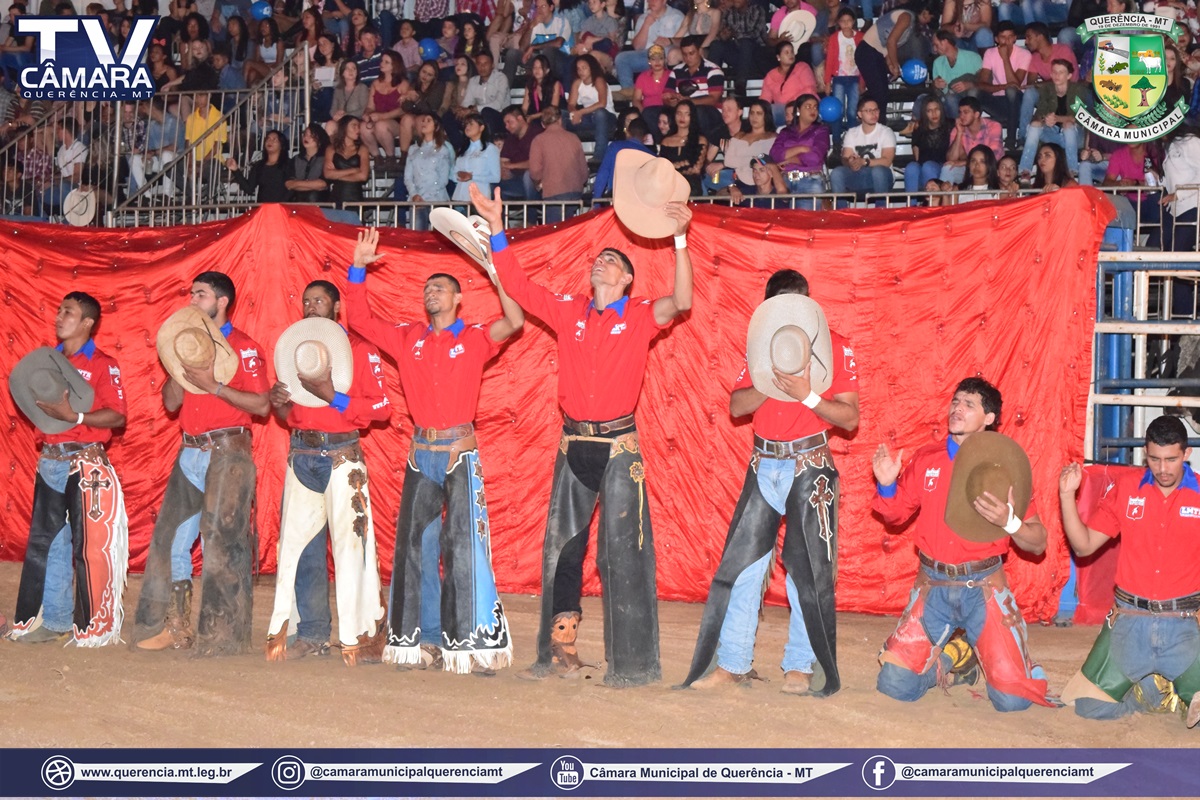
[(642, 185), (44, 375), (789, 332), (79, 207), (470, 234), (306, 349), (987, 462), (190, 337), (798, 26)]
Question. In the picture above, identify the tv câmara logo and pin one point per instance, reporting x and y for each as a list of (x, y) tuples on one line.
[(75, 60), (1130, 77)]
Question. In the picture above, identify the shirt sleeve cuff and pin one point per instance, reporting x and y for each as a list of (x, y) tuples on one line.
[(340, 401), (499, 242), (888, 491), (357, 274)]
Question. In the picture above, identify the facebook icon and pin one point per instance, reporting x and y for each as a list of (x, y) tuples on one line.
[(879, 772)]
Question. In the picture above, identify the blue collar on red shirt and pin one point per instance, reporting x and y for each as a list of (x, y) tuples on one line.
[(88, 350), (455, 329), (227, 329), (1189, 479), (952, 447), (618, 306)]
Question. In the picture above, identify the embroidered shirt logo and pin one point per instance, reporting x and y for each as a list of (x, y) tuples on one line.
[(580, 329), (457, 351), (418, 348), (1189, 512), (1136, 507), (617, 329), (931, 478), (250, 360), (848, 362), (114, 375)]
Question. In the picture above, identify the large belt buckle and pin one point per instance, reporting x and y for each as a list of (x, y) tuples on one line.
[(1159, 606), (953, 570), (431, 433), (310, 439)]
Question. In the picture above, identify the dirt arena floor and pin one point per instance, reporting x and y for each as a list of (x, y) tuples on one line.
[(52, 696)]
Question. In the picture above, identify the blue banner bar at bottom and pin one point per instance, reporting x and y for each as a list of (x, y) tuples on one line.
[(584, 772)]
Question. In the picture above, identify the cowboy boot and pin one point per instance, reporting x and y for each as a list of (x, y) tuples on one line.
[(564, 629), (177, 630)]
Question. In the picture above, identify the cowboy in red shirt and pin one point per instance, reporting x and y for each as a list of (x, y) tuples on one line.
[(210, 493), (441, 364), (960, 583), (791, 473), (1151, 630), (603, 342), (78, 507), (327, 488)]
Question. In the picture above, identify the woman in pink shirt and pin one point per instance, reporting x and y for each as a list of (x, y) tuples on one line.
[(786, 82), (649, 87)]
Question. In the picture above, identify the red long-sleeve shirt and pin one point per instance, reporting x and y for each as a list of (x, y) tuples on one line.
[(368, 398), (103, 374)]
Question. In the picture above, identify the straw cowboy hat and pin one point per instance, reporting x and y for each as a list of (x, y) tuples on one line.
[(44, 375), (789, 332), (470, 234), (798, 26), (306, 349), (987, 462), (79, 207), (190, 337), (642, 186)]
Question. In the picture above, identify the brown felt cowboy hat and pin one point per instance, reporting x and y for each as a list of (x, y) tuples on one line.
[(44, 375), (190, 337), (642, 186), (788, 332), (471, 234), (987, 462), (306, 349)]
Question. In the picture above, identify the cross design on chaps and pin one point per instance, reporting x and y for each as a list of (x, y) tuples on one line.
[(821, 499), (92, 486)]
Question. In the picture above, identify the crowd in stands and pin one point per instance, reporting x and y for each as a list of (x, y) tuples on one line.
[(441, 94)]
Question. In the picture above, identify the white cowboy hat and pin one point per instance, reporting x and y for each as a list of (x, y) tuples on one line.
[(798, 26), (44, 375), (642, 187), (987, 462), (470, 234), (306, 349), (789, 332), (79, 207), (191, 337)]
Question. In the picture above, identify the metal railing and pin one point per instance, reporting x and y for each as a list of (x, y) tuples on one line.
[(1146, 303)]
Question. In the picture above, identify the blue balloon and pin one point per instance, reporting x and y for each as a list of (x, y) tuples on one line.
[(261, 10), (830, 109), (430, 49), (914, 72)]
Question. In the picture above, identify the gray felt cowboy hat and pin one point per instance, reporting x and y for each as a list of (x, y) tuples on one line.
[(44, 375)]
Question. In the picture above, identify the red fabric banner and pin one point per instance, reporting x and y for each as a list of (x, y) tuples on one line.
[(925, 296)]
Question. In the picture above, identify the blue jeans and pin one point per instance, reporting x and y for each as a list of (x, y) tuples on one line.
[(876, 180), (916, 175), (312, 570), (629, 64), (1143, 646), (946, 609), (735, 651), (1046, 11), (194, 463), (559, 213), (1067, 138), (807, 186), (723, 179), (845, 89), (600, 124), (58, 599), (1028, 106), (1012, 12), (979, 41), (1092, 174)]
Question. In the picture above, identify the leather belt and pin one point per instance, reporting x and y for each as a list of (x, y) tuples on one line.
[(452, 434), (64, 450), (775, 449), (206, 441), (321, 439), (1189, 603), (959, 570), (617, 425)]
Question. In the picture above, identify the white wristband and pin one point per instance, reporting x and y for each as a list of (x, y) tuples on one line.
[(681, 241), (79, 419), (1014, 522), (812, 399)]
